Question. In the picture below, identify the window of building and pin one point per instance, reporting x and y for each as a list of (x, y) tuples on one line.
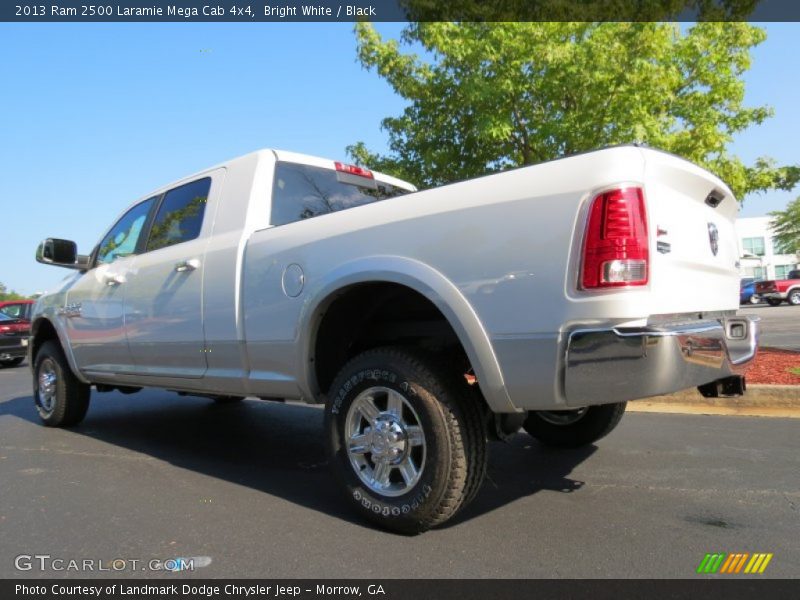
[(755, 273), (302, 192), (180, 216), (123, 238), (782, 271), (753, 245)]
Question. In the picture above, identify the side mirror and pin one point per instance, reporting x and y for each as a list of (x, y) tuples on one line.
[(61, 253)]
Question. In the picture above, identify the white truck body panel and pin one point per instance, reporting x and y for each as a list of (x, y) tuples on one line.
[(499, 256)]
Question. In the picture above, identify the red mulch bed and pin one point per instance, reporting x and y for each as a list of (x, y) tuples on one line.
[(772, 366)]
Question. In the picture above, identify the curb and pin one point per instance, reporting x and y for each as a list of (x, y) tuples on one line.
[(758, 401)]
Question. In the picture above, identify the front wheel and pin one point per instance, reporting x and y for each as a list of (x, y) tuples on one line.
[(794, 297), (405, 438), (774, 301), (574, 428), (61, 398)]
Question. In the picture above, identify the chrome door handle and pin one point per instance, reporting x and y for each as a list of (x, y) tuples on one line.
[(187, 265), (114, 280)]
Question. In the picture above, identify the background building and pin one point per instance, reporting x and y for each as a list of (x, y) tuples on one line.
[(761, 255)]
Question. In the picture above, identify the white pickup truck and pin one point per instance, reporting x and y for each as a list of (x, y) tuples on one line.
[(427, 322)]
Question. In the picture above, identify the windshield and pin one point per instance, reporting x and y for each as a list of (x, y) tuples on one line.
[(16, 311)]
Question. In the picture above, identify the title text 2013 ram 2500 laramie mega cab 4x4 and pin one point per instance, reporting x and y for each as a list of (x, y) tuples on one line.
[(426, 322)]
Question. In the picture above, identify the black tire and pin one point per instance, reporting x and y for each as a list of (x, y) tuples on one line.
[(578, 429), (227, 399), (774, 301), (478, 440), (12, 362), (446, 416), (67, 401), (794, 297)]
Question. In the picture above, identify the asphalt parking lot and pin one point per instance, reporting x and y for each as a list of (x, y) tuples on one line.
[(780, 325), (156, 476)]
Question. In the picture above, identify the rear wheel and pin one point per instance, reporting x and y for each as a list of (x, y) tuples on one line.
[(12, 362), (405, 439), (794, 297), (754, 299), (774, 301), (574, 428), (61, 399)]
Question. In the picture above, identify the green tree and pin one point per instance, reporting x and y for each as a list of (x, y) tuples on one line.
[(6, 294), (786, 225), (489, 96)]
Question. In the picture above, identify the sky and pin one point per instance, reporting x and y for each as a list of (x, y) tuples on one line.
[(93, 116)]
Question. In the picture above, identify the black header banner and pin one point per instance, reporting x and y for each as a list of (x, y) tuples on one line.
[(252, 11)]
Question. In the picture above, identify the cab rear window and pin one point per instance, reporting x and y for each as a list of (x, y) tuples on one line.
[(303, 191)]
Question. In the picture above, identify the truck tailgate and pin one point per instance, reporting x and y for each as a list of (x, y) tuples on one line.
[(694, 251)]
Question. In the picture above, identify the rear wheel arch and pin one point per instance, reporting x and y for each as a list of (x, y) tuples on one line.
[(427, 283)]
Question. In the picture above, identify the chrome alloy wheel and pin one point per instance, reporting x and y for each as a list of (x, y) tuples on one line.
[(562, 417), (385, 441), (48, 382)]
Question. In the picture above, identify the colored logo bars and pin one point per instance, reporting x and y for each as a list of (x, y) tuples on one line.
[(733, 563)]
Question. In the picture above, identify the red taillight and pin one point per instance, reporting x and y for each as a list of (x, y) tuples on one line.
[(615, 248), (354, 170)]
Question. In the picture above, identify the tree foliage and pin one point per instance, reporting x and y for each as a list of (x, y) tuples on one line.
[(6, 294), (786, 226), (484, 97)]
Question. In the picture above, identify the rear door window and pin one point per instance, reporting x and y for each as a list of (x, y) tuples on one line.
[(303, 191), (180, 215)]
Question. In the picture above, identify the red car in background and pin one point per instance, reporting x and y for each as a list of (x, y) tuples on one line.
[(779, 290), (15, 328), (17, 309)]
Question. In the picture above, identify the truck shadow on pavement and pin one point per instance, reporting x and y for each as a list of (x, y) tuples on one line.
[(278, 449)]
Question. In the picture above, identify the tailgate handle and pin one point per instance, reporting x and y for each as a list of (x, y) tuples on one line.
[(715, 198)]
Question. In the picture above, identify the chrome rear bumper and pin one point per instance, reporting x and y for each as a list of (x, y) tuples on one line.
[(619, 364)]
